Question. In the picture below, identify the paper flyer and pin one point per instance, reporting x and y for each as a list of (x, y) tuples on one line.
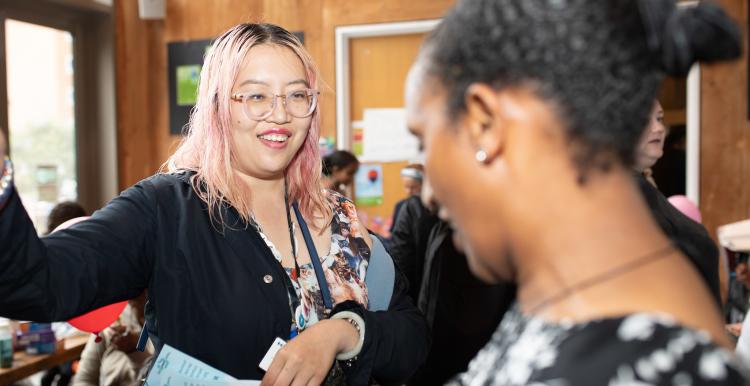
[(179, 380), (385, 136), (175, 368)]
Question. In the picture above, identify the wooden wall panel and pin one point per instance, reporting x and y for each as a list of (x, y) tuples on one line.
[(725, 135), (205, 19), (138, 72), (349, 12), (378, 72), (307, 16)]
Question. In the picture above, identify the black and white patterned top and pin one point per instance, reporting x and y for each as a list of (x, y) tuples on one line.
[(637, 350)]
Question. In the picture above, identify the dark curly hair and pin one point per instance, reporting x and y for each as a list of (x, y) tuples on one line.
[(599, 63), (63, 212)]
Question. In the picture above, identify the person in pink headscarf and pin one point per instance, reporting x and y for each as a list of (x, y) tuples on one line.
[(687, 207)]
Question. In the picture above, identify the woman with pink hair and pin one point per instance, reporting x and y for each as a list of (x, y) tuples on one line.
[(229, 238)]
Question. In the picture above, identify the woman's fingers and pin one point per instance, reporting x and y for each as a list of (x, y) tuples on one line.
[(284, 368), (303, 376), (274, 370), (286, 376), (307, 358)]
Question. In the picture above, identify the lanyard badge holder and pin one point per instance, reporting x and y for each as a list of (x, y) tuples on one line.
[(296, 308), (315, 259)]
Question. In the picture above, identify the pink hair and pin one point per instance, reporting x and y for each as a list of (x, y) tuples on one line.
[(207, 147)]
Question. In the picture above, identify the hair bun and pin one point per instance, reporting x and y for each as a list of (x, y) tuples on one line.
[(681, 37)]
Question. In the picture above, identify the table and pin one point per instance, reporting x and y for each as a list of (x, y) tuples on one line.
[(27, 365)]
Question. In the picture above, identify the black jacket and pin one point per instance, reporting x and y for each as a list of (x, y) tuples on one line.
[(206, 288), (408, 244), (462, 311), (692, 238)]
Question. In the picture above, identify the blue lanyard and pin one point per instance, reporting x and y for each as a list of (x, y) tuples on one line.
[(315, 259)]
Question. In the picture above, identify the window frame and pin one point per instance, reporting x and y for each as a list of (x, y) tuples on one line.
[(96, 170)]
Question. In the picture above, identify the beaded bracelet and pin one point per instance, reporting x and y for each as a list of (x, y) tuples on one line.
[(6, 182)]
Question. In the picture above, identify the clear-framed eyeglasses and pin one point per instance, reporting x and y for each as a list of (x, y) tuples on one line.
[(260, 104)]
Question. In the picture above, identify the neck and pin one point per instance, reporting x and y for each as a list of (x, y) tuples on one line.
[(603, 225), (264, 190), (328, 183)]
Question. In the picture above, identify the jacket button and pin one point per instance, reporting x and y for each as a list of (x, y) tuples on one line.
[(268, 279)]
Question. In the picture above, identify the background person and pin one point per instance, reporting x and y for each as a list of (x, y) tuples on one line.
[(114, 360), (412, 177), (60, 213), (63, 212), (691, 237), (339, 169)]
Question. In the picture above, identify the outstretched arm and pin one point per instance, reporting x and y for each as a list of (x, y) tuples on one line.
[(94, 263)]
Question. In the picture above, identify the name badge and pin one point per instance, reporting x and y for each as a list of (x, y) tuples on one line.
[(277, 344)]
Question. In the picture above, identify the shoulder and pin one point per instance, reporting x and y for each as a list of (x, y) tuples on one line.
[(161, 184), (335, 198), (163, 191), (343, 208), (646, 348), (168, 180), (414, 206), (345, 211), (637, 349)]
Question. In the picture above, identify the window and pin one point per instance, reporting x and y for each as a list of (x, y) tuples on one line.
[(57, 102), (41, 116)]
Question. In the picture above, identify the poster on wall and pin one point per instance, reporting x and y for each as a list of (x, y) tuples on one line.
[(386, 138), (368, 185), (184, 62)]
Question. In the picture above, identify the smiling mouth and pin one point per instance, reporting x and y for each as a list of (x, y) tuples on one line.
[(278, 138)]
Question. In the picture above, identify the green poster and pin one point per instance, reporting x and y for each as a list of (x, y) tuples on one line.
[(187, 84)]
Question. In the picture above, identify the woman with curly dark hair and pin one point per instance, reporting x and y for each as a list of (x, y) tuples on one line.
[(530, 112)]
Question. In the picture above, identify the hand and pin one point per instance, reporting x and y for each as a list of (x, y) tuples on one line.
[(124, 340), (734, 329), (306, 359)]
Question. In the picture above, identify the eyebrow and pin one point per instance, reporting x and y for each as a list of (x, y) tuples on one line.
[(255, 81)]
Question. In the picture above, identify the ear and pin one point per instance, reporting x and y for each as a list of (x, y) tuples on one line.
[(483, 120), (481, 116)]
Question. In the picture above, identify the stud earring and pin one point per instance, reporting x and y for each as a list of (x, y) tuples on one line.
[(481, 156)]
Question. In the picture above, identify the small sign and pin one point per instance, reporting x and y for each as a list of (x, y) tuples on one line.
[(368, 185)]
